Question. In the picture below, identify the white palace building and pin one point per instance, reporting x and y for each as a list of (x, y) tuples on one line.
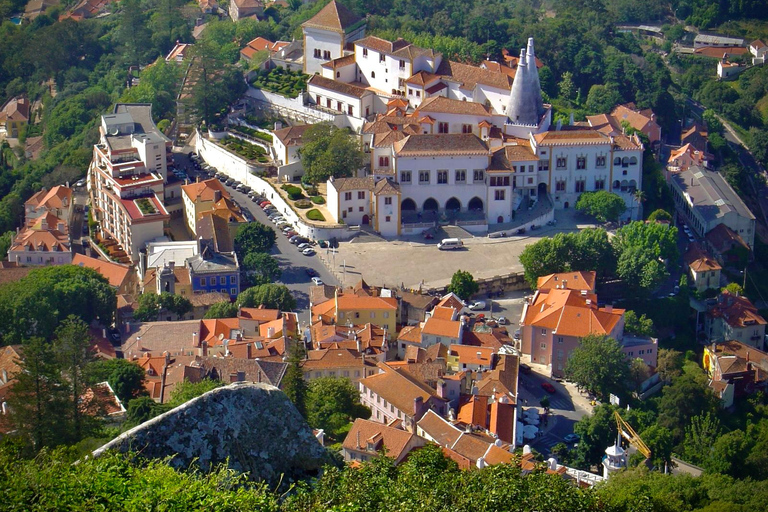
[(455, 141)]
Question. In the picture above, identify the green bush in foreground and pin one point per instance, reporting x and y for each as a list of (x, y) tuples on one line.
[(317, 199), (315, 215)]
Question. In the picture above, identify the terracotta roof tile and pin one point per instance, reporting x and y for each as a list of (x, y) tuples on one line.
[(441, 104), (334, 16), (578, 280), (438, 327), (469, 76), (399, 389), (115, 273), (443, 144), (366, 434), (352, 90)]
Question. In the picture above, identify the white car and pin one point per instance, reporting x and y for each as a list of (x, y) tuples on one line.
[(308, 251), (317, 281), (477, 305), (303, 246)]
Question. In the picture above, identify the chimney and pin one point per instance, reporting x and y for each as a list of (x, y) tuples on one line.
[(258, 376), (248, 354), (216, 196), (357, 441), (127, 327), (60, 226), (609, 308), (204, 348), (418, 404), (194, 339), (138, 343), (359, 344), (167, 357)]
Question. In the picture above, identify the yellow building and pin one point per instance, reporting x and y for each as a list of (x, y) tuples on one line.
[(14, 115), (348, 309), (201, 197)]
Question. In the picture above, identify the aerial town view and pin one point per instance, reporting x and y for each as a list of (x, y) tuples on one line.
[(411, 255)]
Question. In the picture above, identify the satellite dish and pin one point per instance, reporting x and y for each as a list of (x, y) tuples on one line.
[(221, 336), (115, 131)]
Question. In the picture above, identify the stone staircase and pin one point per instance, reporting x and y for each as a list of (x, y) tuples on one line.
[(451, 231)]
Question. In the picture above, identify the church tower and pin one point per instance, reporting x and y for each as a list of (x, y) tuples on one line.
[(526, 112)]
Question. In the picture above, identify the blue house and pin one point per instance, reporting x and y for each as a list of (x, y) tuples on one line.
[(210, 271)]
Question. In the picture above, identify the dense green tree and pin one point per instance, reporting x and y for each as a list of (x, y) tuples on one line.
[(142, 409), (642, 325), (759, 144), (293, 383), (261, 268), (660, 239), (547, 256), (659, 441), (186, 391), (463, 284), (39, 398), (125, 377), (687, 396), (253, 237), (72, 348), (271, 296), (602, 205), (332, 403), (669, 364), (597, 432), (151, 306), (598, 365), (6, 239), (602, 99), (329, 152), (700, 437), (158, 86), (218, 83), (713, 123), (591, 249), (660, 215), (640, 270), (37, 303), (222, 310)]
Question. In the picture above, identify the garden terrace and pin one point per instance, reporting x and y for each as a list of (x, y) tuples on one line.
[(281, 81), (246, 149)]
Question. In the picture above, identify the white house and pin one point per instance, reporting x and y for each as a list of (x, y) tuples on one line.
[(759, 50), (327, 33), (349, 200)]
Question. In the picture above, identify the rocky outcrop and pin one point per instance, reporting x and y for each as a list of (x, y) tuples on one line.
[(252, 428)]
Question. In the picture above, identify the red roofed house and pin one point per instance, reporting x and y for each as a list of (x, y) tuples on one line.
[(393, 395), (327, 33), (14, 115), (553, 323), (759, 50), (46, 242), (734, 317), (261, 44), (122, 278), (704, 270), (367, 439), (735, 370), (686, 156)]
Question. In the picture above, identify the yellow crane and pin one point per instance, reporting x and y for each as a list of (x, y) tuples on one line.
[(628, 433)]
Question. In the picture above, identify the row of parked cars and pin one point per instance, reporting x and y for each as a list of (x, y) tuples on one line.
[(302, 243)]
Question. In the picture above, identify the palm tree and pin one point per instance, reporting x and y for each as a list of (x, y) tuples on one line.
[(639, 196)]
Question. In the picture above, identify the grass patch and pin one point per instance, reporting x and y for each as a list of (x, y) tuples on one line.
[(315, 215), (317, 199), (145, 206), (762, 107)]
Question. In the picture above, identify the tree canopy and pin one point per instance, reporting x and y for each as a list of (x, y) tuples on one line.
[(151, 306), (261, 268), (36, 304), (463, 284), (602, 205), (271, 296), (598, 365), (253, 237), (332, 403), (329, 152)]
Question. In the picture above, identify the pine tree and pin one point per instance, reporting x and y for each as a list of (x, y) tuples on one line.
[(72, 348), (294, 384), (38, 398)]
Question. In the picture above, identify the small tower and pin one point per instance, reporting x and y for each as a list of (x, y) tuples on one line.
[(526, 112), (165, 279), (615, 458)]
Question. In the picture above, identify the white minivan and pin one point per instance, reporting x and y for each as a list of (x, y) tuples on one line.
[(450, 243)]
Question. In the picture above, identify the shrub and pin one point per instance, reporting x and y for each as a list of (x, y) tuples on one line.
[(315, 215), (293, 191), (303, 204), (317, 199)]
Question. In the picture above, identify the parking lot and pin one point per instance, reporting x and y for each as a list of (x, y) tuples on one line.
[(414, 261)]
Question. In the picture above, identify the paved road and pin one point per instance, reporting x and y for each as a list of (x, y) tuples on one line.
[(292, 262)]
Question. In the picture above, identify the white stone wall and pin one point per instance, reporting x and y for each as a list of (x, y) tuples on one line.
[(456, 122), (40, 258), (354, 205), (323, 40), (332, 201), (391, 227), (496, 97)]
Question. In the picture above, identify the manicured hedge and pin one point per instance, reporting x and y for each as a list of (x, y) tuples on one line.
[(317, 199), (315, 215)]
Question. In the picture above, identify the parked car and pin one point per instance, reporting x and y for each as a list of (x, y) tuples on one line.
[(477, 305), (517, 334), (303, 245), (549, 388), (308, 251), (503, 320), (240, 188), (572, 438), (317, 281), (229, 182), (290, 234), (322, 243), (282, 223), (311, 272), (80, 182), (114, 336), (255, 199), (524, 368), (264, 204)]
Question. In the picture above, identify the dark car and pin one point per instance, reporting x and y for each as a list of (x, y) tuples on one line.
[(311, 272), (549, 388), (572, 438), (524, 368), (114, 336)]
